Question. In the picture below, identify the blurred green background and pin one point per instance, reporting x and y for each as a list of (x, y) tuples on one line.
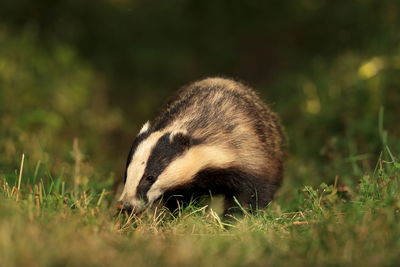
[(95, 71)]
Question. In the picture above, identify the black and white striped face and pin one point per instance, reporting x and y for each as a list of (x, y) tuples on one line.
[(149, 168), (162, 160)]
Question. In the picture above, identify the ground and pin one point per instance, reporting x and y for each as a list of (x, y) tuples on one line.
[(49, 222)]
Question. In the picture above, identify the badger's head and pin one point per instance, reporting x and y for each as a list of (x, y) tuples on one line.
[(162, 160)]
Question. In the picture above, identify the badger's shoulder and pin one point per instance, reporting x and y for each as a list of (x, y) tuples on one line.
[(208, 96), (222, 85), (218, 82)]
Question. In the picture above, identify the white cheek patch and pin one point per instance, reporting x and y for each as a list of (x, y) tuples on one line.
[(137, 167), (154, 193), (184, 168)]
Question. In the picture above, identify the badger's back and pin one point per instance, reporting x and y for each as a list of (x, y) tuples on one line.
[(228, 114)]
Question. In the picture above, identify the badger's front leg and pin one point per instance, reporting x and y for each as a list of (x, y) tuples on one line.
[(236, 204), (251, 197)]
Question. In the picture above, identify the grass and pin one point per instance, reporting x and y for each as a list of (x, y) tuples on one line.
[(49, 221)]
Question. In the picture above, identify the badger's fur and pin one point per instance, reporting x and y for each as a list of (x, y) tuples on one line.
[(214, 137)]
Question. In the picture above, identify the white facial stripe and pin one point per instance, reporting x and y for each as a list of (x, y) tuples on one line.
[(137, 167), (184, 168)]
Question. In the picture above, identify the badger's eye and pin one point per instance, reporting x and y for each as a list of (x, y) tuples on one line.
[(150, 178)]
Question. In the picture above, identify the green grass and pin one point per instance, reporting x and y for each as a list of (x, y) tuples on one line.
[(54, 223)]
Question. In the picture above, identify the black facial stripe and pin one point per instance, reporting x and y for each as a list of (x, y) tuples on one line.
[(162, 155), (136, 142)]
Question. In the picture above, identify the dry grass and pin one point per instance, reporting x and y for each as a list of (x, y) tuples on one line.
[(50, 223)]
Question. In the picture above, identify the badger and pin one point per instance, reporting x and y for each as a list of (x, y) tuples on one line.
[(215, 136)]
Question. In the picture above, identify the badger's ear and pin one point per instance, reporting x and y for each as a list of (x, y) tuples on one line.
[(145, 128), (181, 138)]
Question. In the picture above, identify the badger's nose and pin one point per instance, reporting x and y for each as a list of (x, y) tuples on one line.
[(125, 206)]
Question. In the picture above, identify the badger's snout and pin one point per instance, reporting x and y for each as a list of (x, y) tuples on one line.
[(129, 208), (124, 206)]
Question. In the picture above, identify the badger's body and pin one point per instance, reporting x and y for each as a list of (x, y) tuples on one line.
[(215, 137)]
